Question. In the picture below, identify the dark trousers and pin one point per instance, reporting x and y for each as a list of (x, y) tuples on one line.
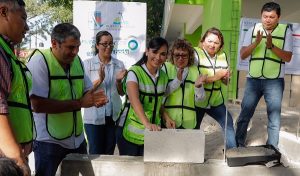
[(101, 138), (48, 156), (127, 148)]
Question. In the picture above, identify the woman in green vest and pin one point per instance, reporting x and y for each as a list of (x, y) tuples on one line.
[(146, 84), (185, 83), (213, 63)]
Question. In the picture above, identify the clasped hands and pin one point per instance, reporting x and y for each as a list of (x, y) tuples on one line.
[(259, 36)]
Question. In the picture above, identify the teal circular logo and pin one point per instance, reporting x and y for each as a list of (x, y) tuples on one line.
[(133, 44)]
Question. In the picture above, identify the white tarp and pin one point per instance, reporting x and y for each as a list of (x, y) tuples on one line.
[(126, 21), (293, 67)]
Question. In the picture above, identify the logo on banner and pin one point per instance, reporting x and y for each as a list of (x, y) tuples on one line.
[(133, 44), (119, 20), (127, 46), (95, 20)]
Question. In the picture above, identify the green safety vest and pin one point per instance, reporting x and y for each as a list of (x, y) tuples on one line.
[(213, 91), (151, 96), (180, 104), (19, 107), (64, 86), (125, 106), (264, 62)]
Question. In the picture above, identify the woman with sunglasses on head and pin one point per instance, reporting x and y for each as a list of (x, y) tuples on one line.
[(185, 85), (213, 63), (146, 84), (104, 71)]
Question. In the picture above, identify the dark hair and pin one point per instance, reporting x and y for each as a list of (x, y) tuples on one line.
[(184, 45), (64, 30), (9, 167), (155, 44), (16, 3), (215, 31), (270, 6), (98, 38)]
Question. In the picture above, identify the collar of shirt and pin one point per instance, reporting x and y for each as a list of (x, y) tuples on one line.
[(8, 41), (212, 58), (153, 77)]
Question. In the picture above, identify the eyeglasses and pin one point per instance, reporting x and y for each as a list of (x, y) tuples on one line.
[(178, 56), (105, 45)]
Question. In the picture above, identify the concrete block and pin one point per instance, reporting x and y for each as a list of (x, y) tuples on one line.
[(295, 83), (95, 165), (286, 98), (242, 79), (104, 165), (294, 100), (289, 146), (287, 82), (174, 145)]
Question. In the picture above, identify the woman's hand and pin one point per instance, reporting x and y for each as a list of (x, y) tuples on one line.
[(179, 74), (120, 75), (101, 73), (200, 80), (152, 127), (169, 122)]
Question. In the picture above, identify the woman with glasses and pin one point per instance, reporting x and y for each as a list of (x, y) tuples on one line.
[(213, 63), (104, 71), (146, 84), (185, 85)]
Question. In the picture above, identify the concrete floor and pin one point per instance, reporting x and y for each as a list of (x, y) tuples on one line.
[(214, 162)]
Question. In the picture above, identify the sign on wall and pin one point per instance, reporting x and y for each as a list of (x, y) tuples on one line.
[(126, 21), (292, 67)]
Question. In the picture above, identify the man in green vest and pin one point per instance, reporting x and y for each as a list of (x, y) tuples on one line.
[(16, 123), (60, 88), (269, 46)]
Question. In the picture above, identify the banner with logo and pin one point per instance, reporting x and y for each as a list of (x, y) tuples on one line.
[(292, 67), (126, 21)]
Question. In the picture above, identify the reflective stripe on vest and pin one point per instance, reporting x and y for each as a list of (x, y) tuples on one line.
[(263, 61), (180, 104), (151, 98), (64, 86), (19, 107), (213, 91)]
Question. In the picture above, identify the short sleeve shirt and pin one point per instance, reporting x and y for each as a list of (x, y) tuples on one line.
[(40, 87)]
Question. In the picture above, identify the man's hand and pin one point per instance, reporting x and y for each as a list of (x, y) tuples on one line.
[(99, 98), (269, 43), (23, 164), (93, 98), (259, 36)]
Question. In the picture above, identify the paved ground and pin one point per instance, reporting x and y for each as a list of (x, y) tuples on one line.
[(257, 134)]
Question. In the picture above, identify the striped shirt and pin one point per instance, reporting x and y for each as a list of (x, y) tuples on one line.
[(5, 79)]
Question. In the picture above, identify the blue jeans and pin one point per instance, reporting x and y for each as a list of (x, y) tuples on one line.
[(101, 138), (48, 156), (272, 90), (219, 114)]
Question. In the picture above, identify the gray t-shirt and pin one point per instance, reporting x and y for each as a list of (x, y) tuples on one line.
[(40, 87), (288, 46)]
